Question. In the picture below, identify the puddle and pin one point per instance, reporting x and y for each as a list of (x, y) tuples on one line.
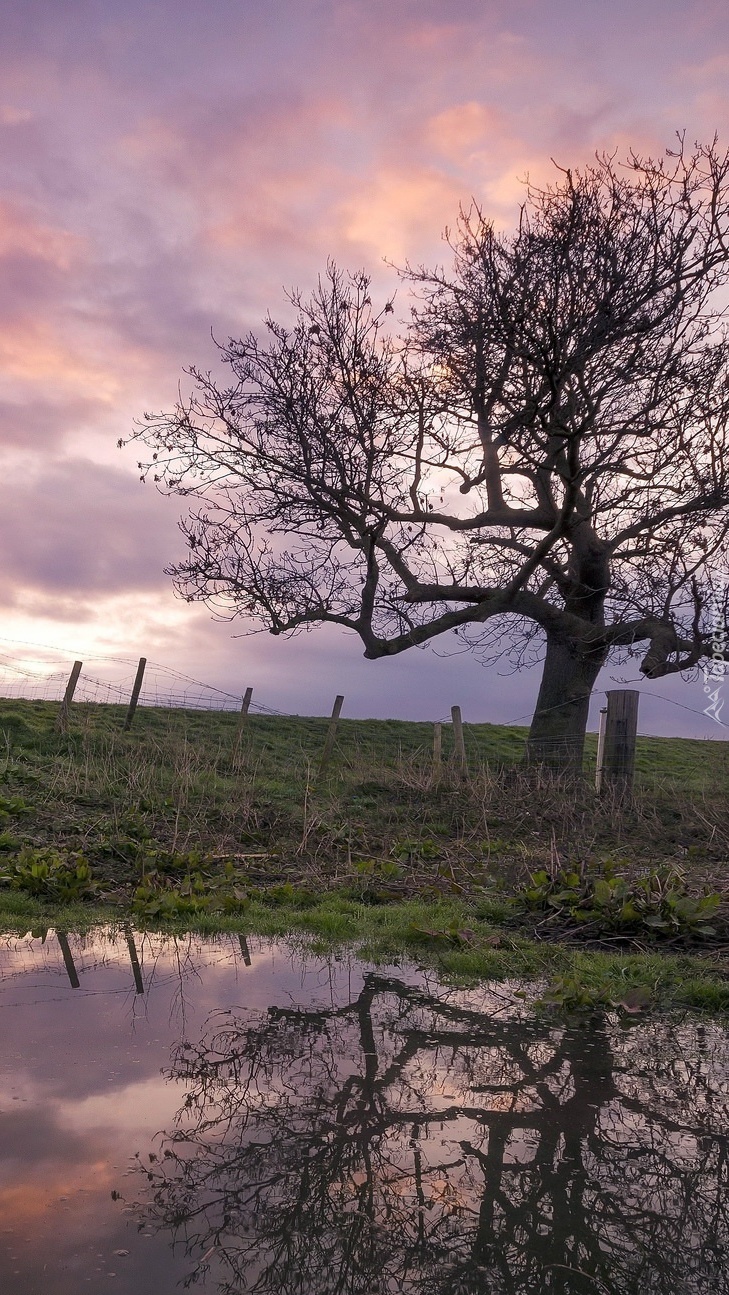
[(238, 1117)]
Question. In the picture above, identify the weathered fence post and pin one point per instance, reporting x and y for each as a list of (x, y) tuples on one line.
[(244, 707), (599, 766), (331, 735), (458, 743), (621, 726), (62, 720), (245, 951), (68, 959), (242, 722), (437, 750), (135, 693)]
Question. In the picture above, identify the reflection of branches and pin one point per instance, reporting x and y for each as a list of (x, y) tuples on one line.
[(402, 1142)]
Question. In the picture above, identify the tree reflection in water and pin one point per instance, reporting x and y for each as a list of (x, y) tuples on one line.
[(407, 1142)]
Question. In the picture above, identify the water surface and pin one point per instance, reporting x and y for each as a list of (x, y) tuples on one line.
[(241, 1117)]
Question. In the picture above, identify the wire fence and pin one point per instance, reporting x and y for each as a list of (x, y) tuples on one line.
[(34, 672), (42, 673)]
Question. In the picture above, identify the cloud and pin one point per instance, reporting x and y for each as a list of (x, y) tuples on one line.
[(396, 210), (37, 354), (36, 424), (20, 234), (464, 129), (12, 116), (76, 530)]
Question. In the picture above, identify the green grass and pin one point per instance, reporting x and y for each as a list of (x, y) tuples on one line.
[(186, 781)]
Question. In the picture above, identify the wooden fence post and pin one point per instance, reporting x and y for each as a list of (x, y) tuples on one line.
[(600, 763), (437, 750), (459, 744), (245, 951), (62, 720), (621, 726), (245, 706), (135, 693), (242, 722), (331, 735)]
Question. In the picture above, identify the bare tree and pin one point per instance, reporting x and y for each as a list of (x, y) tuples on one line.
[(542, 450)]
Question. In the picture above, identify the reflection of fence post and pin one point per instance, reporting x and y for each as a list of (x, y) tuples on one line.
[(437, 750), (599, 767), (621, 726), (331, 735), (62, 721), (135, 693), (68, 959), (245, 951), (459, 744), (133, 958)]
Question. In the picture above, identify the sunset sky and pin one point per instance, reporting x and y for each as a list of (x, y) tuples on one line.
[(172, 166)]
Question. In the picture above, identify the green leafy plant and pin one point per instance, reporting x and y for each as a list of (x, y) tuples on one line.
[(11, 807), (495, 845), (50, 874), (154, 861), (291, 896), (571, 996), (166, 897), (656, 902), (454, 934), (170, 902), (375, 881), (413, 850), (387, 869)]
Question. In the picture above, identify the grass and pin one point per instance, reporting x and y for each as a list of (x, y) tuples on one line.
[(375, 852)]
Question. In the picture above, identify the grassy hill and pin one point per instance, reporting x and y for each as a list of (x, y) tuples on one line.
[(189, 780)]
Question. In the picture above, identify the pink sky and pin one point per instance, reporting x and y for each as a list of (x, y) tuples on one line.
[(170, 167)]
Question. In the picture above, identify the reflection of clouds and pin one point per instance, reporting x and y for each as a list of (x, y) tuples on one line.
[(85, 1067), (382, 1113), (145, 1105)]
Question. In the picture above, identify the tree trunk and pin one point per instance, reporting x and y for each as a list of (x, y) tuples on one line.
[(557, 733)]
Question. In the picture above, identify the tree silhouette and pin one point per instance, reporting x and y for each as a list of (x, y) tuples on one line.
[(407, 1141), (542, 452)]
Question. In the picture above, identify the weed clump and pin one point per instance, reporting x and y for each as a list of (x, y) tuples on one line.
[(50, 874), (657, 902)]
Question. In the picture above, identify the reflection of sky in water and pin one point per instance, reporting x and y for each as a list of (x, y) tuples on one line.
[(325, 1127), (81, 1091)]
